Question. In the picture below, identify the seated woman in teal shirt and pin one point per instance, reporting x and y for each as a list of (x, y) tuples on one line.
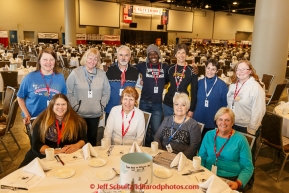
[(228, 150)]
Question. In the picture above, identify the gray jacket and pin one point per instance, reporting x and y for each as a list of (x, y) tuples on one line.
[(77, 90)]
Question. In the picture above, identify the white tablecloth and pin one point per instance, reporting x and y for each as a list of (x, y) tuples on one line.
[(278, 110), (84, 179), (74, 61), (21, 74)]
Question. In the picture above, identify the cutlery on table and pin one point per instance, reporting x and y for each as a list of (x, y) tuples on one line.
[(110, 150), (115, 172), (193, 172), (13, 188)]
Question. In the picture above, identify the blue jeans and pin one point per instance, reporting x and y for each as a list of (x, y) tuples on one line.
[(156, 110), (168, 111)]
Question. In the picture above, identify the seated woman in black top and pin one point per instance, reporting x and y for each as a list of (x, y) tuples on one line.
[(56, 127)]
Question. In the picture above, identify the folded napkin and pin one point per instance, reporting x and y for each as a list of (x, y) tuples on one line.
[(22, 67), (37, 167), (215, 185), (180, 161), (88, 151), (6, 66), (223, 76), (31, 69), (135, 148)]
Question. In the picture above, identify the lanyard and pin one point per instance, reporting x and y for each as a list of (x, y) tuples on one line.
[(215, 147), (156, 76), (172, 136), (181, 77), (89, 81), (46, 85), (59, 132), (208, 93), (237, 91), (122, 126)]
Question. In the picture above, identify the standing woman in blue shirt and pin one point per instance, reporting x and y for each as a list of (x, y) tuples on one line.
[(38, 87), (211, 96)]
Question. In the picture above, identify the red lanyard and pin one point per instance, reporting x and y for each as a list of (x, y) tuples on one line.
[(156, 76), (215, 147), (237, 91), (122, 127), (59, 132), (122, 78), (181, 77), (47, 86)]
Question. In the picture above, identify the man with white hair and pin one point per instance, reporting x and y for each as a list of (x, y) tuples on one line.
[(120, 75)]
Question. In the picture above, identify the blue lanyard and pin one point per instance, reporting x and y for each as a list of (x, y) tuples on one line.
[(172, 136), (89, 81)]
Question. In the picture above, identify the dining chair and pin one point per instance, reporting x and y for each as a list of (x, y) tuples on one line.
[(272, 137), (29, 129), (67, 67), (4, 63), (250, 139), (275, 97), (267, 80), (31, 63), (173, 61), (10, 96), (201, 70), (197, 59), (20, 56), (10, 78), (220, 72), (147, 117), (5, 128), (201, 126)]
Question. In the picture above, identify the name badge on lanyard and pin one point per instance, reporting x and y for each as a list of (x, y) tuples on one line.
[(156, 89), (208, 93), (48, 101), (89, 94)]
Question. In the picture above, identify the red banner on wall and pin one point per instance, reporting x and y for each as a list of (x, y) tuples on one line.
[(127, 13)]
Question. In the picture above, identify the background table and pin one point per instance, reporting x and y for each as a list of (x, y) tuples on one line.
[(21, 74), (84, 179), (285, 127)]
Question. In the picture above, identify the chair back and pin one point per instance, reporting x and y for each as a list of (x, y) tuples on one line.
[(173, 61), (220, 72), (267, 80), (20, 56), (31, 63), (147, 117), (202, 70), (250, 139), (9, 78), (201, 126), (197, 59), (272, 130), (11, 117), (276, 94), (3, 63), (10, 96)]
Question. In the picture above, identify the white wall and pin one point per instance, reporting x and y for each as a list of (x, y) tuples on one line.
[(48, 16)]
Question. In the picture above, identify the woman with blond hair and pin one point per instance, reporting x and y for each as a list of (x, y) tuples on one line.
[(59, 127), (88, 91), (179, 132), (126, 123)]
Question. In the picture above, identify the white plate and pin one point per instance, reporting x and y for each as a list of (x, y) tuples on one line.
[(97, 162), (105, 175), (163, 172), (64, 173)]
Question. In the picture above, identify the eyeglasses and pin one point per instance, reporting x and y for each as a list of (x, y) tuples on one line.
[(241, 70)]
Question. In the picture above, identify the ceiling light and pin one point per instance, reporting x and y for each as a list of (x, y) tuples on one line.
[(185, 7), (235, 3), (233, 10), (207, 6), (169, 1), (190, 7), (177, 5)]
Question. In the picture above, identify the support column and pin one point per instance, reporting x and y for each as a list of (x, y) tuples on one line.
[(70, 22), (270, 39)]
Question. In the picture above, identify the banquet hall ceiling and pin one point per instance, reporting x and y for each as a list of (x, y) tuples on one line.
[(246, 7)]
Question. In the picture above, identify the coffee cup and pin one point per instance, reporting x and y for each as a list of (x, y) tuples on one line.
[(154, 147), (197, 162), (104, 143), (49, 152)]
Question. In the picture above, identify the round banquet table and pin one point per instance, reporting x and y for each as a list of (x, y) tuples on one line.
[(84, 179)]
